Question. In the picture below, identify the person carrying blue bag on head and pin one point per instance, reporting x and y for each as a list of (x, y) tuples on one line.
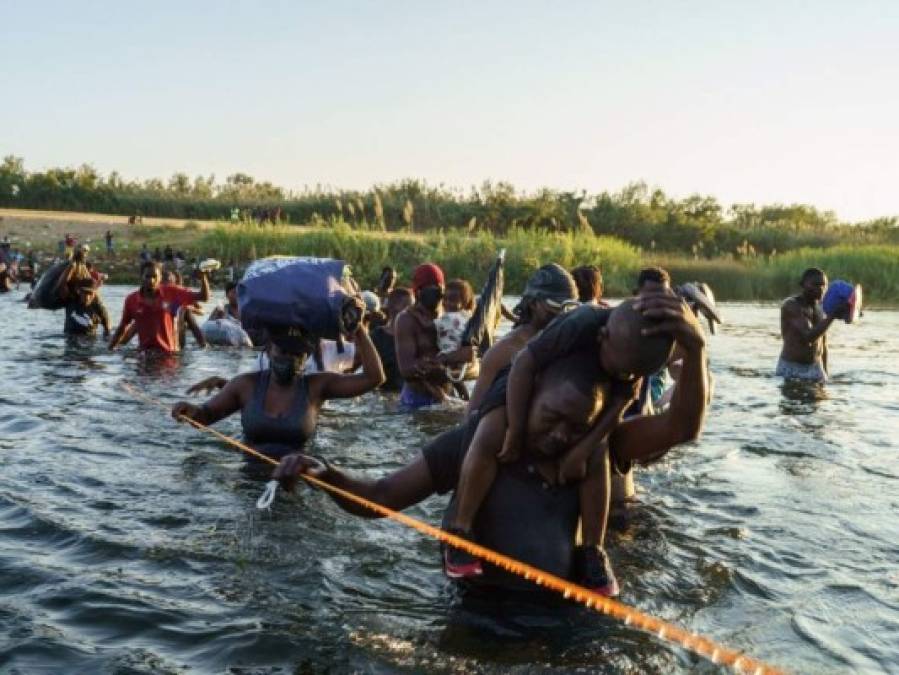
[(297, 302)]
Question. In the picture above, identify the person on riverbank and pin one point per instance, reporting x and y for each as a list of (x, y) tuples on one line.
[(425, 378), (152, 310), (279, 406), (527, 514), (550, 291), (803, 327)]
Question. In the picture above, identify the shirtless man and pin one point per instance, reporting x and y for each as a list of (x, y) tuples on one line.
[(804, 327), (416, 343)]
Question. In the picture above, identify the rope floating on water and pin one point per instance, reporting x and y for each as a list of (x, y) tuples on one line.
[(705, 647)]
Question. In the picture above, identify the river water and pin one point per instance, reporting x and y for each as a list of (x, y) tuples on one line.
[(130, 544)]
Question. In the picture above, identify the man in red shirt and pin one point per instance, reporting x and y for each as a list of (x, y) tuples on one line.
[(153, 308)]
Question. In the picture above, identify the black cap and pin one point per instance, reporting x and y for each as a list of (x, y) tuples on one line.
[(553, 283)]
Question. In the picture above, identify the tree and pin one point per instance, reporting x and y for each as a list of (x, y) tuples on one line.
[(179, 183)]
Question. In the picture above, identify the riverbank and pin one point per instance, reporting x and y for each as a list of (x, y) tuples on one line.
[(461, 253)]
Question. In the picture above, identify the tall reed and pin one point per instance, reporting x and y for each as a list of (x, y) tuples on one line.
[(469, 255)]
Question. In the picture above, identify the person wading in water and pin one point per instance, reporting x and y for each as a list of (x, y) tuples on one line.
[(150, 309), (527, 514), (279, 405), (425, 377), (384, 338), (549, 291), (803, 327)]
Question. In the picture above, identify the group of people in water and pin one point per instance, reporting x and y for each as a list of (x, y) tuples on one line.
[(559, 409)]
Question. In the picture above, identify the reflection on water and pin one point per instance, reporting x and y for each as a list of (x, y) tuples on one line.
[(132, 544), (801, 398)]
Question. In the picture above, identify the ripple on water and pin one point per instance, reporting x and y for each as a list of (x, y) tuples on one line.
[(15, 426)]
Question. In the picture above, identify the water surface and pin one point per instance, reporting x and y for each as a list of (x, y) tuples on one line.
[(131, 544)]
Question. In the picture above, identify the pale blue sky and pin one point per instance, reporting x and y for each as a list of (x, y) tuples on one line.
[(754, 101)]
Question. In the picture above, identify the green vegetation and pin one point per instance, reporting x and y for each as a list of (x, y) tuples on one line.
[(752, 277), (745, 252), (697, 227)]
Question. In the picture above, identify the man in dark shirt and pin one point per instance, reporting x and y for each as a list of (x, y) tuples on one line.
[(526, 514), (85, 310)]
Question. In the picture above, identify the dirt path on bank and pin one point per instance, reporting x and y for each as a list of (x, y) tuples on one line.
[(43, 229)]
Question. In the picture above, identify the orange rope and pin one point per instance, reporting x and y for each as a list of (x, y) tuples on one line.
[(716, 653)]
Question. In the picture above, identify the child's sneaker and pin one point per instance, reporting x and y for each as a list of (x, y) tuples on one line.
[(459, 564), (596, 571)]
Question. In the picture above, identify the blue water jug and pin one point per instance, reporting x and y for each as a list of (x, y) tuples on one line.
[(841, 292)]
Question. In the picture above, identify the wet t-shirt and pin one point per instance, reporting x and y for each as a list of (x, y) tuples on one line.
[(83, 319), (155, 318), (385, 344), (522, 516), (575, 331)]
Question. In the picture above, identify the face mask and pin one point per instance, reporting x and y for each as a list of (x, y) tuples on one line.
[(285, 368), (430, 297)]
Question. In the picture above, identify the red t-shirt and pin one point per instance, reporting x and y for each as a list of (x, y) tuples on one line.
[(155, 318)]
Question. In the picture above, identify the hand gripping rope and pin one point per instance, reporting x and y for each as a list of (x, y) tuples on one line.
[(714, 652)]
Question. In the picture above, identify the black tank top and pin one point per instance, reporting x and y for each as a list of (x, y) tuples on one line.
[(277, 436), (522, 515)]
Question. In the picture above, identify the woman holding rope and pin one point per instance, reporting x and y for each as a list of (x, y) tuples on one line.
[(279, 406)]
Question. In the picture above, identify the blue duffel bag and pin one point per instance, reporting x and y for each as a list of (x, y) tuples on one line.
[(317, 294)]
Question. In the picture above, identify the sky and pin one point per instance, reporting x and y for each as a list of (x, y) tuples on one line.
[(764, 102)]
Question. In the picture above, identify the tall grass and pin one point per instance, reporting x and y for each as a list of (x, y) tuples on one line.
[(459, 253), (466, 255), (875, 267)]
